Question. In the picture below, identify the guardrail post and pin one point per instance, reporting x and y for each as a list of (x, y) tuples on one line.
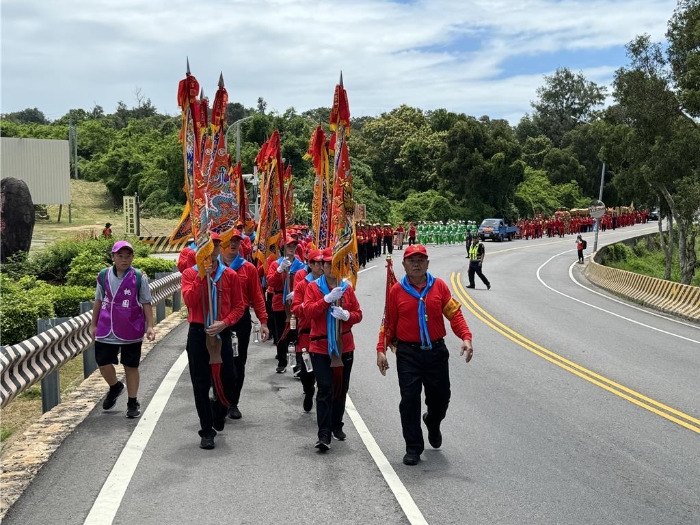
[(160, 306), (89, 362), (177, 300), (51, 384)]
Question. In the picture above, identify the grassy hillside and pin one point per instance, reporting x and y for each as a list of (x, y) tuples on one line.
[(91, 208)]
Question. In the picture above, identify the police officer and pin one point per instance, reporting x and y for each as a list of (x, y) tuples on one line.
[(414, 328), (476, 260)]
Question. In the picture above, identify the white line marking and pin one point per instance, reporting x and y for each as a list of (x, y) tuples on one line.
[(413, 513), (105, 508), (539, 278)]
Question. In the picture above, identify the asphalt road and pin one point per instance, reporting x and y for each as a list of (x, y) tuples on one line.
[(576, 409)]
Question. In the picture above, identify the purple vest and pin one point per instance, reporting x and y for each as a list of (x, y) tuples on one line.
[(122, 313)]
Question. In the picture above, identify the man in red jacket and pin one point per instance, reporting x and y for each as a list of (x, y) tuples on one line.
[(228, 306), (325, 301), (414, 328), (252, 296), (186, 258)]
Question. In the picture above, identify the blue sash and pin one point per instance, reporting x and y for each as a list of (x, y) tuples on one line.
[(330, 320), (214, 314), (237, 262), (294, 268), (422, 316)]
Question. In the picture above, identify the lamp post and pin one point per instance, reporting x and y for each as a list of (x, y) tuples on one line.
[(600, 199), (238, 135)]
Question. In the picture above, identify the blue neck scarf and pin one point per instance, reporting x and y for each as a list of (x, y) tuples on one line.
[(294, 268), (422, 316), (237, 262), (214, 314), (309, 277), (330, 320)]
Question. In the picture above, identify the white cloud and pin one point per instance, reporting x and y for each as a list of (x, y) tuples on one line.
[(58, 54)]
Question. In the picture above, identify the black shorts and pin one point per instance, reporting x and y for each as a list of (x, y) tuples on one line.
[(106, 353)]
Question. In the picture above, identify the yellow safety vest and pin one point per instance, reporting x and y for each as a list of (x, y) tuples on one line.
[(474, 252)]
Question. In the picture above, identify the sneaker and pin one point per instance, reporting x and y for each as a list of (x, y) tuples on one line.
[(308, 401), (434, 436), (488, 286), (281, 369), (322, 445), (411, 459), (133, 411), (471, 286), (339, 434), (114, 392), (234, 413), (207, 442)]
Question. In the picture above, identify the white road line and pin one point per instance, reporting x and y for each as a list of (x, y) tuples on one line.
[(105, 508), (539, 278), (413, 513)]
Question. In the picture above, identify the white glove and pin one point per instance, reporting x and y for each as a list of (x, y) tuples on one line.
[(284, 265), (335, 294), (339, 313), (290, 296)]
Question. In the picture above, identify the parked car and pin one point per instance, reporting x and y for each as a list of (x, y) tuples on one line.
[(653, 215)]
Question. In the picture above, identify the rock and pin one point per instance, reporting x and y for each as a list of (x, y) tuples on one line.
[(16, 217)]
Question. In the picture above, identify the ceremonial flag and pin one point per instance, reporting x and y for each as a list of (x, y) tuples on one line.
[(320, 213), (268, 232), (288, 196), (390, 282), (342, 225)]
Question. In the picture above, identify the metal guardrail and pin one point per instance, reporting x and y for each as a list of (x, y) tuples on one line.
[(24, 364), (670, 297)]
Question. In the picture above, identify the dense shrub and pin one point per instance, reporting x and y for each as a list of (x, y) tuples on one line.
[(19, 265), (84, 269), (67, 299), (152, 265), (617, 252), (23, 303)]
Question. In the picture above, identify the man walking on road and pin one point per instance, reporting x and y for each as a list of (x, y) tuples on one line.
[(476, 261), (414, 328)]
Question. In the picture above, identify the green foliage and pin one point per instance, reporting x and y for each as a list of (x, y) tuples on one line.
[(67, 299), (152, 265), (618, 252), (22, 304), (84, 269), (5, 432), (19, 265)]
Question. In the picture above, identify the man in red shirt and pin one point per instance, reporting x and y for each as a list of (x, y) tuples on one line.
[(228, 308), (412, 234), (388, 235), (401, 232), (186, 258), (325, 301), (252, 296), (415, 330)]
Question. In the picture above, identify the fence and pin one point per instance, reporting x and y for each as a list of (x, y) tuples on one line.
[(24, 364)]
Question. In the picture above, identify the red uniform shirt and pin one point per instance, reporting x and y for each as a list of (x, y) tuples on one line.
[(401, 321), (194, 289), (412, 231), (252, 290), (303, 321), (388, 232), (186, 259), (275, 280), (315, 308)]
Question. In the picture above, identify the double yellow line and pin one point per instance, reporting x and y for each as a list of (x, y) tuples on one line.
[(628, 394)]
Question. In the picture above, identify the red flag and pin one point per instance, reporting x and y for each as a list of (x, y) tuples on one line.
[(390, 282)]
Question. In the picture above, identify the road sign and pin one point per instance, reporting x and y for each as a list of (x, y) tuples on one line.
[(596, 209)]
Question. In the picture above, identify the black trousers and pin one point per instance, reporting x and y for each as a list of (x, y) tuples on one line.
[(270, 317), (280, 323), (362, 253), (242, 329), (329, 409), (200, 374), (388, 244), (378, 247), (308, 379), (416, 369), (411, 241), (475, 268)]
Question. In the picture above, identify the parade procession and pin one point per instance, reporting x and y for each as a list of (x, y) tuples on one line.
[(300, 281)]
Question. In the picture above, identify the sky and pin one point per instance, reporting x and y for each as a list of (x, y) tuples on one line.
[(483, 57)]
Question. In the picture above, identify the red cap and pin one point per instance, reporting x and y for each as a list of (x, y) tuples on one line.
[(327, 255), (288, 240), (315, 255), (415, 249), (214, 236), (236, 235)]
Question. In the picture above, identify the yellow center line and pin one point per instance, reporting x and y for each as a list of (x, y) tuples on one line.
[(624, 392)]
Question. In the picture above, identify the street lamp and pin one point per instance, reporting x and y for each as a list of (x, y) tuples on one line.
[(238, 135)]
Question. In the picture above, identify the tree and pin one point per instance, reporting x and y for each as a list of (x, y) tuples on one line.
[(684, 53), (262, 105), (565, 99), (27, 116), (235, 112)]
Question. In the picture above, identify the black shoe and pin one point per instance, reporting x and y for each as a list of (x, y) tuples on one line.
[(434, 436), (471, 286), (281, 369), (339, 434), (411, 459), (308, 401), (234, 413), (133, 411), (114, 392), (488, 286), (207, 442), (322, 445)]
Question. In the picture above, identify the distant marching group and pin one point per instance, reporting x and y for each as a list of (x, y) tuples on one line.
[(309, 316)]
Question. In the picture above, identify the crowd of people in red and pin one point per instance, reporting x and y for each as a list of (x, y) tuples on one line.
[(560, 225)]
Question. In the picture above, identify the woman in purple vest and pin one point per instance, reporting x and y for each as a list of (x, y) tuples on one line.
[(120, 316)]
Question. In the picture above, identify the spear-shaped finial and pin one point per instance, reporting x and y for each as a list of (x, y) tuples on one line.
[(341, 78), (188, 65), (221, 80), (201, 93)]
